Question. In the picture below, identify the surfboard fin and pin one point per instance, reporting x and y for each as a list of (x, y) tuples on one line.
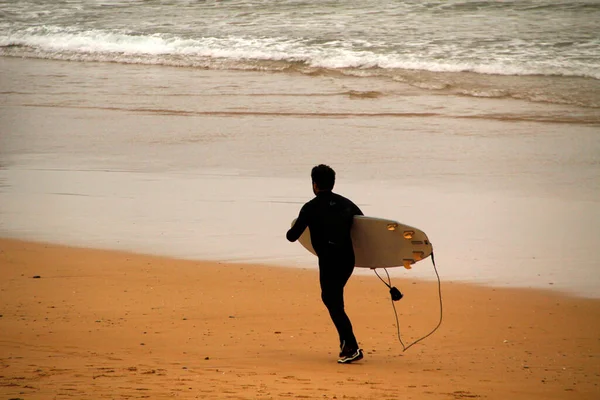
[(418, 255), (407, 263)]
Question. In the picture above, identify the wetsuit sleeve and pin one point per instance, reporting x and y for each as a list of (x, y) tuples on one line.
[(301, 223)]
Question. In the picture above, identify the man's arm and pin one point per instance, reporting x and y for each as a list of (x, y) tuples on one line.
[(301, 223)]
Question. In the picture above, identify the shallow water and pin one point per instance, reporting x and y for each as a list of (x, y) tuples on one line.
[(542, 51)]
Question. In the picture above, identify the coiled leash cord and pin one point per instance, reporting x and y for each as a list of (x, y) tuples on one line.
[(397, 295)]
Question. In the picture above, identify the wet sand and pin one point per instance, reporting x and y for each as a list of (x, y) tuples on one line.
[(105, 324), (213, 165)]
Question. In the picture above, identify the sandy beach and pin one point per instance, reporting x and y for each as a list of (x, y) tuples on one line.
[(209, 167), (101, 324), (153, 155)]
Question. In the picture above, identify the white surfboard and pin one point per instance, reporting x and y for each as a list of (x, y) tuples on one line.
[(382, 243)]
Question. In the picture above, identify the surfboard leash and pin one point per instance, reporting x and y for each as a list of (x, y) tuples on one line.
[(397, 295)]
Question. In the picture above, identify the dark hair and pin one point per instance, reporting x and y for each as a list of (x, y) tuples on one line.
[(324, 176)]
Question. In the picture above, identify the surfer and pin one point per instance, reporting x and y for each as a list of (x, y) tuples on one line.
[(329, 217)]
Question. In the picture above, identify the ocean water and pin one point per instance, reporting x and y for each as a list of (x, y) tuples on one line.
[(188, 128), (472, 48)]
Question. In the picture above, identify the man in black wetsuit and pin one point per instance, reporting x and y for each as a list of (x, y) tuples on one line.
[(329, 217)]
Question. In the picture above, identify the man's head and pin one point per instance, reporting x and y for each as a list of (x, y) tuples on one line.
[(323, 178)]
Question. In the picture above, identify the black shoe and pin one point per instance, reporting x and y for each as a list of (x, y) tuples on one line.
[(347, 357)]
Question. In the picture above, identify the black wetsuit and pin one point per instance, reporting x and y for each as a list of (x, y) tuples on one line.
[(329, 217)]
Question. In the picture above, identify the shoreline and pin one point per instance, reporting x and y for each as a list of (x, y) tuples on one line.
[(396, 273), (101, 323)]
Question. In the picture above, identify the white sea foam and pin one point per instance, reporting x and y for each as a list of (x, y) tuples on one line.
[(118, 46)]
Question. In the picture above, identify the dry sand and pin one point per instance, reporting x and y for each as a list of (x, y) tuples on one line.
[(102, 324)]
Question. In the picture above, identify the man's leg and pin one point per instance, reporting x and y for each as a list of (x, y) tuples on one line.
[(332, 293)]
